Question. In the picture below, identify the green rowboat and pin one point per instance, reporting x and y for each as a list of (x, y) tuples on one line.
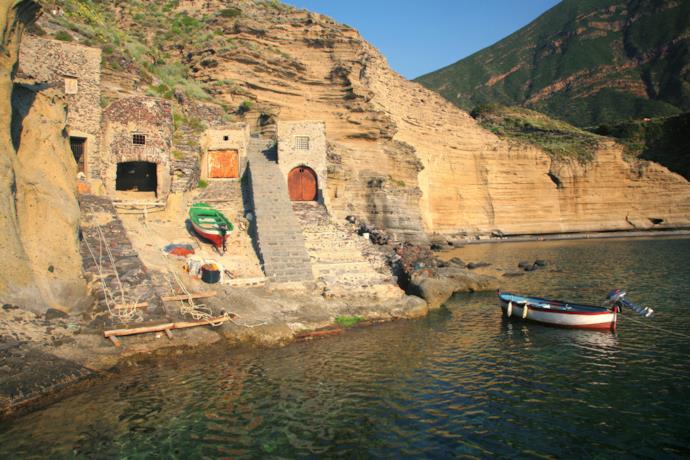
[(210, 224)]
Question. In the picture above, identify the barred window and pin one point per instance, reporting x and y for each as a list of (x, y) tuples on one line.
[(139, 139), (302, 142)]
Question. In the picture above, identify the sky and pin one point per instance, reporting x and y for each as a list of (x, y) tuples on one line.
[(420, 36)]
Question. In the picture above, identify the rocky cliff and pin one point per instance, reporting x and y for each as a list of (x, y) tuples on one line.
[(587, 62), (400, 155), (38, 210)]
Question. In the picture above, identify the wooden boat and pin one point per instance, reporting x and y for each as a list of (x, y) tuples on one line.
[(210, 224), (559, 313)]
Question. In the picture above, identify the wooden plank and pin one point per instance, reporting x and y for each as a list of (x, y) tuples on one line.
[(138, 330), (142, 305), (196, 295), (168, 332), (164, 326), (115, 340), (309, 335)]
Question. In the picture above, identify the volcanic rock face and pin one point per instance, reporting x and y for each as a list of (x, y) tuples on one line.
[(407, 159), (38, 209)]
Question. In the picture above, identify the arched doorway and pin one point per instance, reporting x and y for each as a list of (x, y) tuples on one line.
[(302, 184)]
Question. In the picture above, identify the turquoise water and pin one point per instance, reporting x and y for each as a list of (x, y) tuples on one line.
[(462, 382)]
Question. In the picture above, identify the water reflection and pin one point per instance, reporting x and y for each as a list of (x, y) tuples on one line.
[(462, 382)]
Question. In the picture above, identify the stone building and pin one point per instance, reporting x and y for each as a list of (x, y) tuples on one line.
[(137, 141), (75, 70), (302, 158), (224, 152)]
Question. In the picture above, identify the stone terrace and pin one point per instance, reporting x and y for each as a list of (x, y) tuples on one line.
[(346, 263)]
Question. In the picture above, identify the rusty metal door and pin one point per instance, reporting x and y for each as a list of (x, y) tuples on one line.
[(302, 184), (223, 164)]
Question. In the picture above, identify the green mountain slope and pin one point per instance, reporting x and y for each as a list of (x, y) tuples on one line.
[(584, 61)]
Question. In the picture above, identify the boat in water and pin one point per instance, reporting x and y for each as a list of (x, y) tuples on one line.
[(568, 314), (210, 224)]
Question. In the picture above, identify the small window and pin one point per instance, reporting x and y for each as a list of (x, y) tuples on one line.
[(71, 85), (139, 139), (226, 138), (302, 142)]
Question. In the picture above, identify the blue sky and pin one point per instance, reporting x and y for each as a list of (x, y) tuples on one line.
[(418, 37)]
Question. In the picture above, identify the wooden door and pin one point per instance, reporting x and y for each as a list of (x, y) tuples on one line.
[(223, 164), (302, 184)]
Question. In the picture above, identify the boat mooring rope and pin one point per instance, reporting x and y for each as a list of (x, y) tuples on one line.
[(635, 320)]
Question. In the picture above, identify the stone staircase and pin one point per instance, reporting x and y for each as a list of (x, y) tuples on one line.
[(345, 262), (137, 284), (277, 232)]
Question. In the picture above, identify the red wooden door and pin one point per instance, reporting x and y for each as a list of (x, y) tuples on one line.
[(302, 184), (223, 164)]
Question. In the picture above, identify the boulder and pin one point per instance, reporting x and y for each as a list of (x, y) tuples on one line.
[(437, 290), (473, 265), (457, 262)]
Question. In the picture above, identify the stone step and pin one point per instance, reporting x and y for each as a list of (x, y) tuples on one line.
[(279, 235)]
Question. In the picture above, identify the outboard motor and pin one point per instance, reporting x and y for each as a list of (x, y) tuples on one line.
[(615, 297)]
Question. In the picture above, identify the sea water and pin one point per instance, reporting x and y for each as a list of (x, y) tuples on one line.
[(463, 381)]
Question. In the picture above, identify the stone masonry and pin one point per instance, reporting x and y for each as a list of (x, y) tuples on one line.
[(149, 117), (344, 262), (311, 151), (99, 212), (75, 70), (278, 234)]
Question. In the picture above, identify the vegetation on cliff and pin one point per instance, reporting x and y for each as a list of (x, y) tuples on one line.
[(158, 41), (558, 139), (586, 62), (663, 140)]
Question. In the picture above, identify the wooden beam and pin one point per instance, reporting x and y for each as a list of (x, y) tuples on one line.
[(164, 326), (142, 305), (196, 295), (168, 333), (115, 340), (321, 333)]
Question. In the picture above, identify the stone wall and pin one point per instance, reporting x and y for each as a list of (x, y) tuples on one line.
[(230, 137), (75, 70), (290, 157), (138, 115)]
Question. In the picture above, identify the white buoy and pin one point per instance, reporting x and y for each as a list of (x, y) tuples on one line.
[(524, 311), (509, 310)]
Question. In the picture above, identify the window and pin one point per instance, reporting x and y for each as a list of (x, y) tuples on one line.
[(77, 144), (71, 85), (302, 142), (139, 139), (226, 138)]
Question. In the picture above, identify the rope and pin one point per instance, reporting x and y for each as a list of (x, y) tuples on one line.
[(201, 311), (189, 307), (128, 312), (635, 320)]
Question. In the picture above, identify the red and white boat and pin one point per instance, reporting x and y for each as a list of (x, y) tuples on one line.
[(567, 314)]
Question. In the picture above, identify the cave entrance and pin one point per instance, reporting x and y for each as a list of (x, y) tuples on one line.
[(137, 179), (78, 145)]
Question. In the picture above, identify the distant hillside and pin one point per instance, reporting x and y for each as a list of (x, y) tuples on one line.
[(584, 61)]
